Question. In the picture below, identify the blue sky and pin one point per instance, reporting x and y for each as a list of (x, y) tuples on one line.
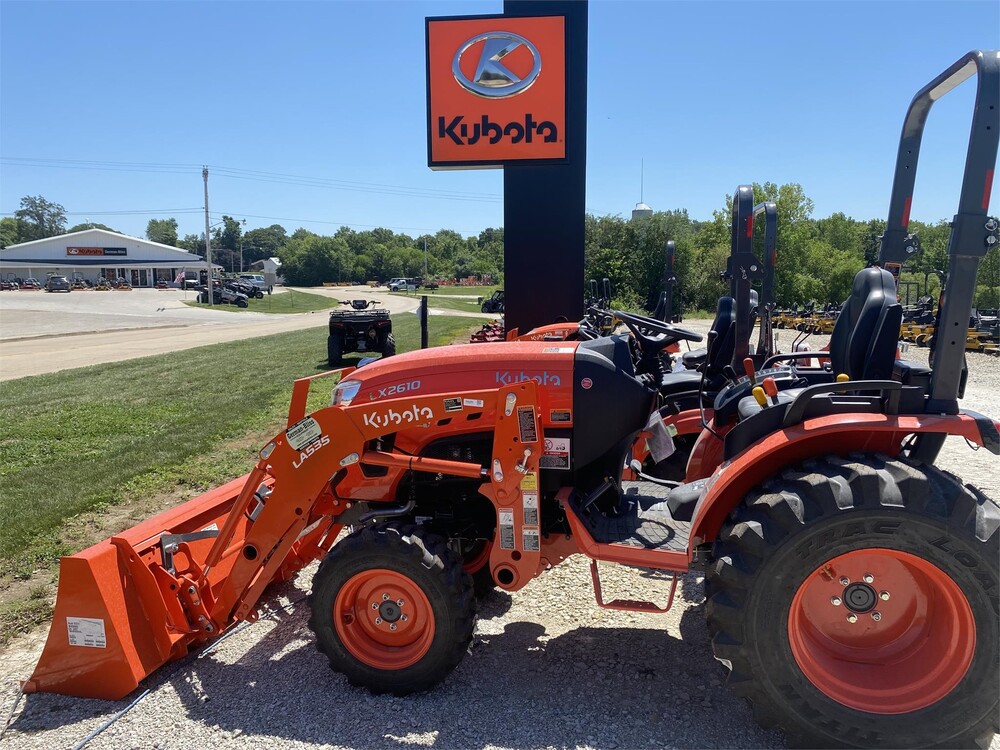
[(707, 94)]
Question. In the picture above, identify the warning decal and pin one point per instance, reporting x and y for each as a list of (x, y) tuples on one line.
[(453, 404), (530, 504), (506, 529), (555, 454), (530, 482), (526, 424), (560, 415), (86, 631), (530, 539), (303, 432)]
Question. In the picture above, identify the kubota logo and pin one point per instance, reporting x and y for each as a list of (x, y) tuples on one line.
[(493, 79), (458, 130), (542, 378)]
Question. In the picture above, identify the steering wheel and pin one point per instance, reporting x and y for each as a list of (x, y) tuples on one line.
[(654, 335)]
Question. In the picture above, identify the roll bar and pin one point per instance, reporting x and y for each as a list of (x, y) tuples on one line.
[(972, 231), (743, 268), (765, 307)]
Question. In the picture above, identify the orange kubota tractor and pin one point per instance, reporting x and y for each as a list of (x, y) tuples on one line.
[(852, 585)]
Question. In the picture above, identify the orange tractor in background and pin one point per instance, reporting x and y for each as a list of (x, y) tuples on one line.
[(852, 585)]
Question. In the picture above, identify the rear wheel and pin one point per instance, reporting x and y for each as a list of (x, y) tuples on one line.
[(855, 601), (242, 303), (393, 609), (334, 349), (389, 349)]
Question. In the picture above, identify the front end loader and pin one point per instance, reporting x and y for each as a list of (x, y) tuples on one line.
[(852, 586)]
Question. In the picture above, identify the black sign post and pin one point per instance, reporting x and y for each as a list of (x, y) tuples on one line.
[(544, 204)]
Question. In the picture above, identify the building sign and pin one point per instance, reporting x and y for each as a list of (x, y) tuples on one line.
[(97, 251), (496, 90)]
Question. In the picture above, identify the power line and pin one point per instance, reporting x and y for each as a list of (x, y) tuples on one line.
[(256, 176)]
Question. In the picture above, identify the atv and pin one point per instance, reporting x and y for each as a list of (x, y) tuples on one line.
[(222, 295), (359, 329), (494, 303)]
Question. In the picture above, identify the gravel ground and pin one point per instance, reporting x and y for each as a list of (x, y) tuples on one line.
[(547, 669)]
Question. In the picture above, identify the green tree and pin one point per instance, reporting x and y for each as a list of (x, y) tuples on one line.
[(90, 225), (9, 231), (266, 242), (163, 231), (39, 218), (193, 243)]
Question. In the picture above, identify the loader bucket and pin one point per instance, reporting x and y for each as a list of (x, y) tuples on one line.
[(117, 617)]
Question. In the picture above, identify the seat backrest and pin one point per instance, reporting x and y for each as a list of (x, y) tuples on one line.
[(864, 339), (723, 344)]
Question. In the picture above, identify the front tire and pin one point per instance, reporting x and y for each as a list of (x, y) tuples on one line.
[(855, 601), (393, 609), (334, 350)]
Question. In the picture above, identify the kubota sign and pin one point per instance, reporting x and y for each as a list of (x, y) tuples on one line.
[(496, 90)]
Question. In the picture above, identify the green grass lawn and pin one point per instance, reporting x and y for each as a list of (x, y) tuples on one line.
[(94, 437), (453, 303), (475, 291), (284, 302)]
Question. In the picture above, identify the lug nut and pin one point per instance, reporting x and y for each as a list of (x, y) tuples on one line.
[(374, 605), (835, 601), (378, 620), (869, 578), (876, 616), (392, 626), (844, 580), (884, 596), (404, 618), (852, 618), (399, 602), (385, 597)]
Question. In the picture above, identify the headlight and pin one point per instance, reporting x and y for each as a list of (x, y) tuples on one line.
[(345, 392)]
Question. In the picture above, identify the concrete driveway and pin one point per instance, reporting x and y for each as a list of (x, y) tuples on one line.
[(45, 332)]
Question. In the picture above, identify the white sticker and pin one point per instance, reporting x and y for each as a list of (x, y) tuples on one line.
[(506, 528), (303, 432), (530, 540), (555, 454), (476, 403), (558, 350), (211, 527), (530, 502), (86, 631)]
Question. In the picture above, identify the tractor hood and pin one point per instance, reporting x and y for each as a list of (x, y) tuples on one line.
[(469, 367)]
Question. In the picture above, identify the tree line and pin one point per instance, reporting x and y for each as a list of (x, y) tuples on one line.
[(817, 258)]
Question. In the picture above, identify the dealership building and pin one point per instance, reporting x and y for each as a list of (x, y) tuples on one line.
[(97, 253)]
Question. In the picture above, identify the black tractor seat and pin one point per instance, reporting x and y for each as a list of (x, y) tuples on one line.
[(695, 358)]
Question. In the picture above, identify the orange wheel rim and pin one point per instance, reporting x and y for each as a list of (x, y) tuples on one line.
[(479, 557), (384, 619), (882, 631)]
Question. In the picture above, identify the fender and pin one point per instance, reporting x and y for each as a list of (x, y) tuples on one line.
[(865, 433)]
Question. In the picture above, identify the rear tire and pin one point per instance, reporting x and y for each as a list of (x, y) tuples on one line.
[(334, 350), (355, 604), (242, 303), (389, 349), (922, 673)]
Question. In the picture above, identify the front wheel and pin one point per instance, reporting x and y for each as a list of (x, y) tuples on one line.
[(242, 303), (334, 350), (855, 603), (393, 609)]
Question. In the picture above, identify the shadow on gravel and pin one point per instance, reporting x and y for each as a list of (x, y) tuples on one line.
[(603, 687)]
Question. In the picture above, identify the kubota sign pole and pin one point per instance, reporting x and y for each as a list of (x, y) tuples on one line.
[(545, 204), (510, 91)]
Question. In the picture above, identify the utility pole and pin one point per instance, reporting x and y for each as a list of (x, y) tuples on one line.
[(210, 294), (244, 222)]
